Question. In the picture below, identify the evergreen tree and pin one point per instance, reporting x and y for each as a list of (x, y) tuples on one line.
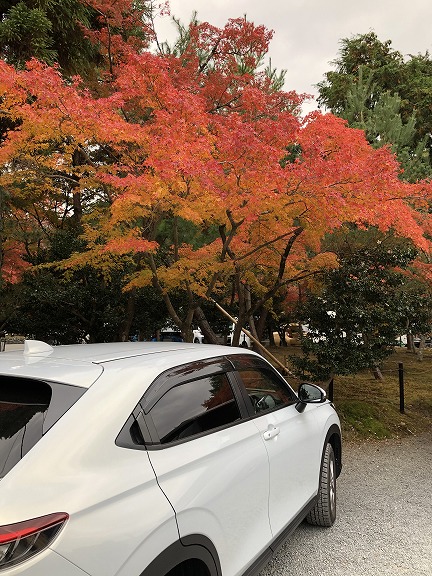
[(75, 34), (49, 30), (360, 54), (358, 311), (390, 98)]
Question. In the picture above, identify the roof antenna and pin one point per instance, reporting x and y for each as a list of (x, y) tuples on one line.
[(33, 347)]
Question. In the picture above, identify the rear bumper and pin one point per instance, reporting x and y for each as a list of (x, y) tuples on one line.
[(47, 563)]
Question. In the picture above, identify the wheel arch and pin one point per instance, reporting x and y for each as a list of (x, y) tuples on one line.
[(192, 547), (333, 437)]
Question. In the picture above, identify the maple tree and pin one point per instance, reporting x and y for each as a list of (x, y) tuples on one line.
[(192, 170)]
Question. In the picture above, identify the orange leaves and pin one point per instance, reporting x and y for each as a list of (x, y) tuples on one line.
[(342, 177), (13, 265), (130, 244), (202, 138), (52, 110)]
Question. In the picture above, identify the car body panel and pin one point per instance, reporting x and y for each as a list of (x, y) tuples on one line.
[(295, 458), (235, 519), (128, 506), (67, 371), (110, 493), (47, 563)]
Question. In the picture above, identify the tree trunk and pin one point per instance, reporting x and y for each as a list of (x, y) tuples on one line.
[(127, 321), (77, 206), (237, 332), (410, 343), (422, 345), (242, 318), (377, 373), (186, 326), (187, 332), (261, 323), (200, 318), (252, 328)]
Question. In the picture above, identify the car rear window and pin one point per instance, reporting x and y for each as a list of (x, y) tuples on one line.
[(28, 408)]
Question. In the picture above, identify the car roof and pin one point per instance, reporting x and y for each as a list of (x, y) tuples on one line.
[(82, 364)]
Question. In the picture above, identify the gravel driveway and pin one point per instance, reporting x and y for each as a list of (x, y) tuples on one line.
[(384, 525)]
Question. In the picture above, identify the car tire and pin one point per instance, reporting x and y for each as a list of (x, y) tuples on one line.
[(324, 512)]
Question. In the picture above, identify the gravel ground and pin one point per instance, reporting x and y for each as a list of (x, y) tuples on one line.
[(384, 525)]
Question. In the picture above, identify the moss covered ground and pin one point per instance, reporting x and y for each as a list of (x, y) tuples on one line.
[(369, 408)]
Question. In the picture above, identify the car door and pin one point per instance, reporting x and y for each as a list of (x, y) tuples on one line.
[(292, 440), (211, 464)]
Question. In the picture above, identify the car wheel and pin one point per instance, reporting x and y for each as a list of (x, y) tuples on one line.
[(324, 512)]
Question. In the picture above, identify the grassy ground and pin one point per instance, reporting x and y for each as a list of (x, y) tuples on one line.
[(369, 408)]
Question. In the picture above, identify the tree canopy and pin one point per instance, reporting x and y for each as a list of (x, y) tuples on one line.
[(356, 313), (188, 170), (390, 97)]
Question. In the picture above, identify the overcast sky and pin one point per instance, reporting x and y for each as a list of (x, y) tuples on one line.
[(307, 32)]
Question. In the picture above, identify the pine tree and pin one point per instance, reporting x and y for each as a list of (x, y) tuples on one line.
[(390, 98)]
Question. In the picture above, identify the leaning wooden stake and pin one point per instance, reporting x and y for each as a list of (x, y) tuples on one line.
[(255, 341)]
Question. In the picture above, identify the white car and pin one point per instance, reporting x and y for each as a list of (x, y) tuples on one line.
[(173, 334), (157, 459)]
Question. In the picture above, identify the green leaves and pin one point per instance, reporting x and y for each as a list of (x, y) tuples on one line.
[(25, 33), (363, 306), (375, 89)]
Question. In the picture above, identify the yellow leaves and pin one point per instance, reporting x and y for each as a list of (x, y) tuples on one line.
[(323, 261), (131, 206), (194, 270), (140, 279), (95, 257)]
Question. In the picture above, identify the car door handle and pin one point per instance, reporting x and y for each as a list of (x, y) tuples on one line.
[(271, 432)]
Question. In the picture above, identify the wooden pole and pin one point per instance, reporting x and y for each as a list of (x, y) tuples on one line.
[(401, 389), (331, 390), (255, 341)]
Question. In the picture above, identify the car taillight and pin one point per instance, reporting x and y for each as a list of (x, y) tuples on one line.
[(22, 540)]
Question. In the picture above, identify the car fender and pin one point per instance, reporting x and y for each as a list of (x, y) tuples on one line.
[(333, 436), (194, 546)]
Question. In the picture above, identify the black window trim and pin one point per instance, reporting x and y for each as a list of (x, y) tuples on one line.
[(140, 420), (155, 442), (52, 412), (187, 372), (62, 396), (171, 378)]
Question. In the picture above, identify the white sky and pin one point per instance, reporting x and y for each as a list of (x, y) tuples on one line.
[(307, 32)]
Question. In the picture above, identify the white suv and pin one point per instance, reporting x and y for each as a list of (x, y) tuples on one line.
[(157, 459)]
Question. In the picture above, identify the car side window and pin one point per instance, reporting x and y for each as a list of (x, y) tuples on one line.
[(265, 390), (194, 407)]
